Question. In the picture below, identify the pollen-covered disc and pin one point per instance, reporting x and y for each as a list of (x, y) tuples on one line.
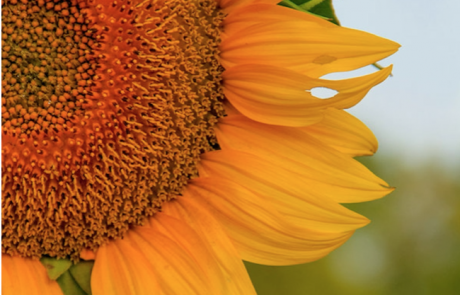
[(106, 108)]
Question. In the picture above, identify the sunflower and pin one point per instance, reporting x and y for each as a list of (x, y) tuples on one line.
[(168, 140)]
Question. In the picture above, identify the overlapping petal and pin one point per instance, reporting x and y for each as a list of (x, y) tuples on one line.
[(260, 232), (339, 130), (310, 46), (280, 96), (23, 276), (343, 132), (233, 278), (304, 161), (121, 268), (167, 256)]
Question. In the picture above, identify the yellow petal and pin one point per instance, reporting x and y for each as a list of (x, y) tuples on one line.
[(244, 17), (260, 233), (305, 46), (344, 132), (233, 278), (196, 247), (279, 96), (164, 257), (230, 5), (121, 269), (87, 254), (305, 162), (23, 276), (193, 264)]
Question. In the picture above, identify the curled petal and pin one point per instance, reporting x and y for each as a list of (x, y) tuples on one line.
[(279, 96)]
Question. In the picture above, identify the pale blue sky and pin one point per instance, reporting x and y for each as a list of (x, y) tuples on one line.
[(416, 113)]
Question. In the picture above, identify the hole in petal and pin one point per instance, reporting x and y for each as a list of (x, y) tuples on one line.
[(352, 74), (323, 92)]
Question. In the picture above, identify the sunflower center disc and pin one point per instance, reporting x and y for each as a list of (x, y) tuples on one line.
[(107, 106)]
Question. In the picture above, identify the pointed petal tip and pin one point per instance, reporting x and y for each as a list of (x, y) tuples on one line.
[(365, 221), (390, 45), (356, 221), (383, 74), (359, 221), (395, 45), (381, 43), (369, 152), (390, 189), (386, 187), (388, 69)]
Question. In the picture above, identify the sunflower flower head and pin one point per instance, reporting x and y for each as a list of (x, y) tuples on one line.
[(176, 138)]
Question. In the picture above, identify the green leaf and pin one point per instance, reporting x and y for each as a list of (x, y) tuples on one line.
[(291, 4), (321, 8), (69, 286), (55, 267), (325, 9), (81, 272), (310, 4)]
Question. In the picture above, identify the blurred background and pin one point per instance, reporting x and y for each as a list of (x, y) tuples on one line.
[(412, 245)]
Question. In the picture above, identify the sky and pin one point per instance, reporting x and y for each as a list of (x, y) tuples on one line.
[(416, 113)]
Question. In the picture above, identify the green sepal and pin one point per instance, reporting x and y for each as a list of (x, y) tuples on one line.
[(69, 286), (291, 4), (55, 267), (325, 9), (309, 4), (321, 8), (81, 272)]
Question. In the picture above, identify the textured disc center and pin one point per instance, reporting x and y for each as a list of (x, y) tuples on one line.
[(106, 109)]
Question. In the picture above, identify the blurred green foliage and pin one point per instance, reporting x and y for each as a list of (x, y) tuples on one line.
[(412, 245)]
